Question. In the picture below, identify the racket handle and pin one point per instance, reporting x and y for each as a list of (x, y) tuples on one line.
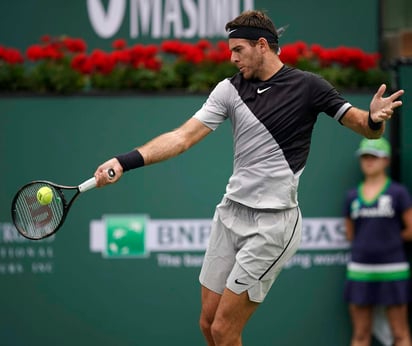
[(87, 185)]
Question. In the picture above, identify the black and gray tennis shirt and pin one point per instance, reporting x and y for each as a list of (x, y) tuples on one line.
[(272, 124)]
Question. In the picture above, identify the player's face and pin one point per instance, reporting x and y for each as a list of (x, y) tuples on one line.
[(372, 165), (248, 59)]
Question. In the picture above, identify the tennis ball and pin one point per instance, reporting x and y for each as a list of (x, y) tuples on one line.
[(45, 195)]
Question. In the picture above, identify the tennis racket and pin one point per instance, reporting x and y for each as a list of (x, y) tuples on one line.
[(34, 220)]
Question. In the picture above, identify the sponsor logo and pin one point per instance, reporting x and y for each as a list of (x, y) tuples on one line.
[(384, 208), (160, 19), (174, 243), (125, 236), (240, 283), (261, 91), (138, 236)]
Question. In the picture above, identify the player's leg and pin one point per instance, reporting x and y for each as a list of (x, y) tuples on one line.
[(210, 302), (361, 316), (268, 240), (232, 314), (398, 321), (273, 238), (217, 264)]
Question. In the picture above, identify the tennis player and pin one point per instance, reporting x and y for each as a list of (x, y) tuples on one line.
[(257, 226)]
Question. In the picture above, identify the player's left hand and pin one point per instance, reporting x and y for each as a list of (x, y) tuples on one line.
[(381, 108)]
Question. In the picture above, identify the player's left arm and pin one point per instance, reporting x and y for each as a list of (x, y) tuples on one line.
[(407, 221), (371, 124)]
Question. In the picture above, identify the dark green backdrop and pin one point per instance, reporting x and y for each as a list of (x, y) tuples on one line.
[(68, 295), (95, 301), (86, 299)]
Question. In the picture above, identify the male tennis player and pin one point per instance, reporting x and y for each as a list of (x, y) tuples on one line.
[(256, 227)]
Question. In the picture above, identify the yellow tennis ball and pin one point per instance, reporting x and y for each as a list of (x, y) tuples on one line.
[(45, 195)]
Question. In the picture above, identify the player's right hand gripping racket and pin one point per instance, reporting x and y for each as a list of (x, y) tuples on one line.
[(36, 221)]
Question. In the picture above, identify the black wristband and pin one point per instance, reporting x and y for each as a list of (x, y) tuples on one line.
[(130, 160), (372, 125)]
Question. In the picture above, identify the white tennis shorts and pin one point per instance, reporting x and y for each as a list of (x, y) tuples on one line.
[(248, 248)]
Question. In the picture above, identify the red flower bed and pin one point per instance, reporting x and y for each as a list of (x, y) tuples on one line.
[(64, 65)]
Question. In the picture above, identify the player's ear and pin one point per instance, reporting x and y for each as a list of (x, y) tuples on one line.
[(263, 43)]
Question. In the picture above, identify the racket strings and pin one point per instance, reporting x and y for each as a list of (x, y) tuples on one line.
[(34, 219)]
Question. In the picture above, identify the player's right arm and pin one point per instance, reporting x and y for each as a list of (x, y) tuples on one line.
[(161, 148), (173, 143)]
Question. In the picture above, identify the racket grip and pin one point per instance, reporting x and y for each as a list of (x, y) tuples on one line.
[(87, 185)]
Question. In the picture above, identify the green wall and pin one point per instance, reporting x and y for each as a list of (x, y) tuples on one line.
[(61, 292), (81, 295)]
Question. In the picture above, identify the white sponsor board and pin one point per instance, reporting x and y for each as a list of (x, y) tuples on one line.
[(192, 234), (162, 19)]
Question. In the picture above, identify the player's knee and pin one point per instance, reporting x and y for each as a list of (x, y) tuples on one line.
[(205, 324), (222, 334), (362, 337), (217, 331), (401, 338)]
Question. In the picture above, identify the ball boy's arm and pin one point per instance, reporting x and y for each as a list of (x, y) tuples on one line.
[(407, 222), (161, 148), (349, 229)]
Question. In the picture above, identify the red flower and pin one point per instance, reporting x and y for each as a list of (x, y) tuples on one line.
[(150, 50), (152, 64), (50, 51), (82, 63), (102, 61), (172, 46), (35, 52), (204, 44), (75, 45), (53, 52), (11, 55), (119, 44), (193, 54), (290, 54), (122, 56)]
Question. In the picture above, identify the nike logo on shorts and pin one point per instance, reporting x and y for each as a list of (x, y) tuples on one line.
[(240, 283)]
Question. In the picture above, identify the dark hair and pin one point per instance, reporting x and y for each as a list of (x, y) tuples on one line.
[(257, 19)]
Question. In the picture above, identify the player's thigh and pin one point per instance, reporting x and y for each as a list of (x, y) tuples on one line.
[(263, 254), (210, 302), (219, 257), (398, 318)]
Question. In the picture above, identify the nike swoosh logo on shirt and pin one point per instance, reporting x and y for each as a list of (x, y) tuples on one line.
[(260, 91)]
